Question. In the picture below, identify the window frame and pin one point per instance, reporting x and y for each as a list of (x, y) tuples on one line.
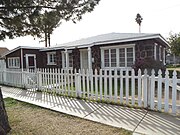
[(64, 59), (48, 58), (13, 65), (117, 47), (160, 53), (155, 51)]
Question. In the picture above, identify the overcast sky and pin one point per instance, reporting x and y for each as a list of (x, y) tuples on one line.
[(159, 16)]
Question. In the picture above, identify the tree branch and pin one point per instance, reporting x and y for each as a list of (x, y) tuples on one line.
[(26, 7)]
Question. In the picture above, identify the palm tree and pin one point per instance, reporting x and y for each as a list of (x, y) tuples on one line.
[(139, 21)]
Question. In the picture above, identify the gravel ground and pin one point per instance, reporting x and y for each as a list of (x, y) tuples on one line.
[(26, 119)]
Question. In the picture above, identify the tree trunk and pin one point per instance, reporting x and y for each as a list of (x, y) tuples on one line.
[(49, 39), (45, 39), (4, 123)]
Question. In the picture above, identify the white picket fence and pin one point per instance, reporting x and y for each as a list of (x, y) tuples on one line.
[(2, 64), (117, 86), (19, 78)]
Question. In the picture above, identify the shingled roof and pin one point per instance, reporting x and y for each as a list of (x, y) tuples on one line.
[(108, 39), (3, 50)]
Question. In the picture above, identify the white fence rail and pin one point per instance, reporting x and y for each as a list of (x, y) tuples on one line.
[(159, 93)]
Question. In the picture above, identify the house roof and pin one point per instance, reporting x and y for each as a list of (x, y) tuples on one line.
[(3, 50), (108, 39), (20, 47)]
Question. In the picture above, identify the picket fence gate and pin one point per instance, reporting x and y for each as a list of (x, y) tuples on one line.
[(156, 92)]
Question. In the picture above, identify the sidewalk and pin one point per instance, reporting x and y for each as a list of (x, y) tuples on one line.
[(136, 120)]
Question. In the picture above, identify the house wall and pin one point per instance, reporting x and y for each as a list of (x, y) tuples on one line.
[(17, 53), (76, 58), (96, 55), (58, 59), (143, 49)]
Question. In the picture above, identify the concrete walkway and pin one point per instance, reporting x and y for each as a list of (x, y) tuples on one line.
[(136, 120)]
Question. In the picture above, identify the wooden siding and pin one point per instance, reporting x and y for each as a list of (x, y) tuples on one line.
[(58, 59), (76, 58)]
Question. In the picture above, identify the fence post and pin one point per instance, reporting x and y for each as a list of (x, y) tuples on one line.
[(25, 75), (22, 78), (4, 76), (77, 85), (39, 79), (148, 91), (146, 94), (174, 92)]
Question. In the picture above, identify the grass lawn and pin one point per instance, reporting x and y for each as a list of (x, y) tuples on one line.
[(27, 119), (174, 68)]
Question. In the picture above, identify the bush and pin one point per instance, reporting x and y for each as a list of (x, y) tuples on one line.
[(149, 64)]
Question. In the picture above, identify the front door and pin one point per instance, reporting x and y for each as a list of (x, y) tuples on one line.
[(30, 61), (84, 59)]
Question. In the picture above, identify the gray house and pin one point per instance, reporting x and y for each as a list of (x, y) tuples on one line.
[(106, 51)]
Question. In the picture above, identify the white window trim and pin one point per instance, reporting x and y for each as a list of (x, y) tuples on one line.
[(48, 58), (27, 61), (13, 58), (102, 58), (82, 50), (118, 46), (164, 56), (117, 55), (67, 59), (155, 51)]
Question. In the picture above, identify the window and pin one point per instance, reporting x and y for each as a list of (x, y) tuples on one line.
[(14, 62), (69, 58), (106, 58), (51, 58), (121, 57), (129, 57), (115, 57)]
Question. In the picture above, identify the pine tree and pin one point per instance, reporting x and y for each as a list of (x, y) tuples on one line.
[(39, 18)]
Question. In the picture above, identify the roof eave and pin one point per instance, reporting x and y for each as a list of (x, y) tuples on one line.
[(20, 47)]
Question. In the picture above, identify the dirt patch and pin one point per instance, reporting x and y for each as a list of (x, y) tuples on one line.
[(32, 120)]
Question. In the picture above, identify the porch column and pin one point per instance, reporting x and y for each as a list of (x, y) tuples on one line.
[(22, 57), (89, 58), (67, 60)]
